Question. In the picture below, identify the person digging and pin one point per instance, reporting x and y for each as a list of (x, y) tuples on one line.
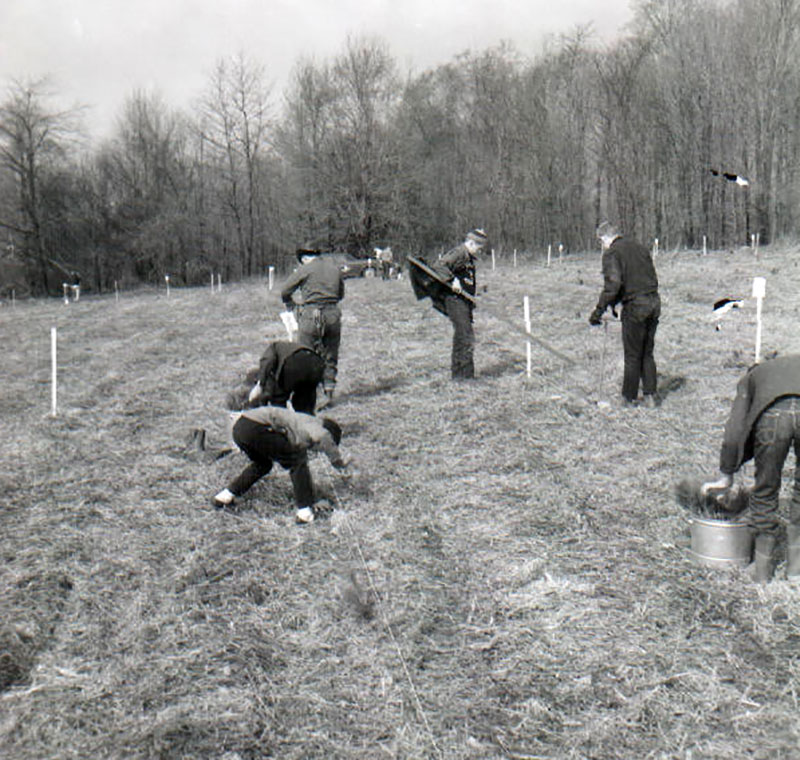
[(270, 434), (764, 423)]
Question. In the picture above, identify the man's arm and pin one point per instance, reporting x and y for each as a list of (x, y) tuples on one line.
[(266, 369), (612, 277), (735, 429), (292, 283)]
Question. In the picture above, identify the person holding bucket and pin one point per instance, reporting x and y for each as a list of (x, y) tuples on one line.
[(763, 424)]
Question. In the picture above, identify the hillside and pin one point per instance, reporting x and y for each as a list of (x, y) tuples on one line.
[(506, 574)]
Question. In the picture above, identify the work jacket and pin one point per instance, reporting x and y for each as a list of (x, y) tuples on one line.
[(628, 272), (760, 387)]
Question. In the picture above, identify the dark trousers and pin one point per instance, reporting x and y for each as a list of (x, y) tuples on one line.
[(302, 372), (263, 445), (639, 324), (320, 328), (777, 430), (459, 311)]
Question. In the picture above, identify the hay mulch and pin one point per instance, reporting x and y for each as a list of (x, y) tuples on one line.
[(503, 574)]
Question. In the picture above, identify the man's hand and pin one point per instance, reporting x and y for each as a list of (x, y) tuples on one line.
[(596, 318), (456, 285), (724, 482)]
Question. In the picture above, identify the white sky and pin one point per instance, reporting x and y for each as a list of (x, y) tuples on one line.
[(99, 51)]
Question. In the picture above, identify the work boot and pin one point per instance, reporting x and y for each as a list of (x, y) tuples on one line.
[(764, 561), (793, 551)]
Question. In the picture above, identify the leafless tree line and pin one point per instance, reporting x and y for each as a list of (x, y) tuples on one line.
[(353, 155)]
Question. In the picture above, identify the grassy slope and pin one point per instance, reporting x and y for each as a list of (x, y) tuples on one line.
[(536, 597)]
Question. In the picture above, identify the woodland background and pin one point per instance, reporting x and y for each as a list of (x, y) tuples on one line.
[(535, 148)]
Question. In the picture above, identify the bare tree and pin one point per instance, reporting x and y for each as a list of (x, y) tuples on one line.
[(33, 138), (234, 123)]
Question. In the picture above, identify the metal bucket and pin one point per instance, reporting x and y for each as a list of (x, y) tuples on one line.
[(719, 543)]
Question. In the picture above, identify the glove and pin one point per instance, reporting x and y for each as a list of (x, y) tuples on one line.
[(456, 285), (596, 317), (723, 484), (255, 392)]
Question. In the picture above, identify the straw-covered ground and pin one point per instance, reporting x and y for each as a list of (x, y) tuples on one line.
[(506, 573)]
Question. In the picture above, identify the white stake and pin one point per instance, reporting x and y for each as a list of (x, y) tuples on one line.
[(271, 277), (493, 259), (212, 282), (219, 282), (116, 290), (166, 279), (66, 292), (705, 248), (655, 248), (759, 291), (13, 297), (549, 252), (560, 251), (527, 308), (515, 257), (53, 372)]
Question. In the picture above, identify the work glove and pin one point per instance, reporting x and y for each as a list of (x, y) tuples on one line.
[(255, 393), (724, 482), (596, 317), (456, 285)]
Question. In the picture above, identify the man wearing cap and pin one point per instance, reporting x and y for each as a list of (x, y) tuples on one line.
[(319, 321), (763, 424), (457, 267), (630, 278)]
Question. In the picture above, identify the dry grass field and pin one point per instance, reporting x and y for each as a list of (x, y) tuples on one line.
[(506, 573)]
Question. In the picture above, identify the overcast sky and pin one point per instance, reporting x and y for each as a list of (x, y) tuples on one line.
[(99, 51)]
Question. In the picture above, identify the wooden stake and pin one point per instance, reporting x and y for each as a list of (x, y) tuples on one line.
[(705, 249), (759, 291), (271, 277), (53, 372), (549, 252), (527, 309), (166, 279)]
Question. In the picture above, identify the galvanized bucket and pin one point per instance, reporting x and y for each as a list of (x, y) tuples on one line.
[(719, 543)]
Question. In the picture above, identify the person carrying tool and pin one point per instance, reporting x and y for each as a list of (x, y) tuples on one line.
[(763, 424), (630, 278), (457, 268), (319, 321)]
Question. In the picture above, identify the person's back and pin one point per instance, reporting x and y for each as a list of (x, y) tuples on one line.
[(637, 271), (320, 281)]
